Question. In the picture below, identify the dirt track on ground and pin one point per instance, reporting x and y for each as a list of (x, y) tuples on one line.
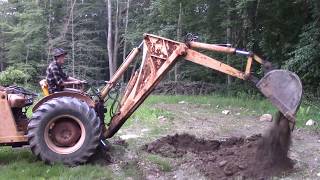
[(206, 144)]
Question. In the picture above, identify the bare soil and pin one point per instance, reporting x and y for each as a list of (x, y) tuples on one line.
[(202, 143), (256, 156)]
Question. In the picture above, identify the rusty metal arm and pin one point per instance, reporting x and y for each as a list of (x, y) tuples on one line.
[(287, 102), (206, 61), (212, 63), (212, 47), (223, 49), (125, 65)]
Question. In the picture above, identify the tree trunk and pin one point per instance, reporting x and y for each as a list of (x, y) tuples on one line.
[(1, 59), (2, 47), (179, 34), (124, 54), (1, 65), (72, 39), (228, 39), (109, 43), (116, 37), (27, 56), (125, 31), (49, 33), (66, 24)]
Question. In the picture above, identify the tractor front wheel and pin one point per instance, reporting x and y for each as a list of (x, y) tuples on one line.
[(64, 130)]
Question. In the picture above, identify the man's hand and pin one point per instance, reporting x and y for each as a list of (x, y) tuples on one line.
[(77, 82), (67, 83), (73, 82), (80, 82)]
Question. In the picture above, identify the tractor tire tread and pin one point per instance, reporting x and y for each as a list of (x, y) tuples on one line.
[(93, 131)]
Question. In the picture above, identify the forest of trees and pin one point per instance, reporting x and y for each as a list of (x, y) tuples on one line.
[(98, 34)]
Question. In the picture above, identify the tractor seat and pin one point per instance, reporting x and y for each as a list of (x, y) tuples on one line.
[(16, 100), (44, 86)]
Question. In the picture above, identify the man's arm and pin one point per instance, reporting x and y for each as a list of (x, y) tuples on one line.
[(72, 79), (63, 79)]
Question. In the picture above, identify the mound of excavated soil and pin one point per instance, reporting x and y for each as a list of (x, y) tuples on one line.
[(236, 157)]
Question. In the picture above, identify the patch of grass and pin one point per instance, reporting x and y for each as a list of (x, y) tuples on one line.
[(29, 112), (132, 170), (307, 112), (147, 115), (163, 163), (22, 164)]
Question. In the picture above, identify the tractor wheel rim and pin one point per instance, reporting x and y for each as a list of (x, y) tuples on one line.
[(55, 146)]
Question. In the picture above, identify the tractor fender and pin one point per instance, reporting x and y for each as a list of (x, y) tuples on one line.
[(77, 95)]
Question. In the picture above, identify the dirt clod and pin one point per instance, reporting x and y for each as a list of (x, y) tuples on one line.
[(256, 156)]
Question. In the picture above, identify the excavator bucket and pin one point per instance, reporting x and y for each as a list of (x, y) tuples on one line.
[(284, 89)]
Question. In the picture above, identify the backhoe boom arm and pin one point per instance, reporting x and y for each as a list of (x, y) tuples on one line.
[(159, 56)]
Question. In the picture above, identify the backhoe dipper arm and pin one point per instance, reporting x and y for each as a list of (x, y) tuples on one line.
[(204, 60), (159, 56)]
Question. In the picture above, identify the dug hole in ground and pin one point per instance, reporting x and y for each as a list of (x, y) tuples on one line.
[(235, 157), (195, 142)]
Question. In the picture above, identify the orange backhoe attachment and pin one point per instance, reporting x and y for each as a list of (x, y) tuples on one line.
[(283, 88)]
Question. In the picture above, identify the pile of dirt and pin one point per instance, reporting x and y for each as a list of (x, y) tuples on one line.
[(236, 157), (186, 88)]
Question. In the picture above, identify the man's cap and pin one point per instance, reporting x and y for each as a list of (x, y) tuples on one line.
[(58, 52)]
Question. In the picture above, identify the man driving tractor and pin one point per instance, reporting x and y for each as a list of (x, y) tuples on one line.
[(56, 78)]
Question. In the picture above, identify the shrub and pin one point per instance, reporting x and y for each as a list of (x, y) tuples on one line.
[(13, 76)]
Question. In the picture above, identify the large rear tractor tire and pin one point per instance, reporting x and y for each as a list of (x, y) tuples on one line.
[(64, 130)]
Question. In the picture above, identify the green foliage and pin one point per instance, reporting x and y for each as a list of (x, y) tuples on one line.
[(305, 57), (285, 32), (27, 35), (13, 76)]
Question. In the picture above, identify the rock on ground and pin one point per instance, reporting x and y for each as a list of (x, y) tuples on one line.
[(311, 122), (266, 118)]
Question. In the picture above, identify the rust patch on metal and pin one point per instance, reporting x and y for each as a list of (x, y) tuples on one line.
[(66, 132)]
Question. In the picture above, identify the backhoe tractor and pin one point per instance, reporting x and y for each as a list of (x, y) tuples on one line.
[(68, 126)]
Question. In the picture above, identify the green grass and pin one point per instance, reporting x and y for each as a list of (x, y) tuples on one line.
[(146, 115), (21, 164)]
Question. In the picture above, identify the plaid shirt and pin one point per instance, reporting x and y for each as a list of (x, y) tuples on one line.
[(55, 77)]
